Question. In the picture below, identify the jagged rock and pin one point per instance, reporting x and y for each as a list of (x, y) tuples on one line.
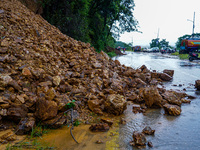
[(45, 109), (101, 127), (56, 80), (92, 104), (151, 96), (26, 72), (197, 84), (162, 76), (172, 98), (25, 125), (15, 85), (137, 108), (147, 130), (139, 139), (16, 112), (173, 110), (169, 72), (183, 100), (165, 77), (115, 104)]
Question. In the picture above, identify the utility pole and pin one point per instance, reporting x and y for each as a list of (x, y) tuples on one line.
[(158, 33), (193, 24)]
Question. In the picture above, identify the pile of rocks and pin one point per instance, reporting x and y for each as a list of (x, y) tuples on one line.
[(42, 70)]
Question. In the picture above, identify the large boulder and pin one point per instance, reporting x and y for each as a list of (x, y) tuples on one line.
[(115, 104), (45, 109), (151, 96), (172, 98), (173, 110)]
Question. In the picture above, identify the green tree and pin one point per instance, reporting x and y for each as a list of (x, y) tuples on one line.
[(94, 21), (108, 18), (164, 43), (155, 43), (70, 16)]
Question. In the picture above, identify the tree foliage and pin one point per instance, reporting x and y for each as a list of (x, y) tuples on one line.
[(94, 21), (157, 43)]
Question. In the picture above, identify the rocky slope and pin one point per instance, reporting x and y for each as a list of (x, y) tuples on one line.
[(42, 70)]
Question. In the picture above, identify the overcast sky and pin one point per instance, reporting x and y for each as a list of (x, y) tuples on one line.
[(168, 16)]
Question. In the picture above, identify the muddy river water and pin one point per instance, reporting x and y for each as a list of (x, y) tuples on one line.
[(172, 133)]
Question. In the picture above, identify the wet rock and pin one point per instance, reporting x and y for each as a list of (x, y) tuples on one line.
[(183, 100), (173, 110), (165, 77), (101, 127), (147, 130), (151, 96), (162, 76), (172, 98), (139, 139), (115, 104), (169, 72), (45, 109), (197, 84)]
